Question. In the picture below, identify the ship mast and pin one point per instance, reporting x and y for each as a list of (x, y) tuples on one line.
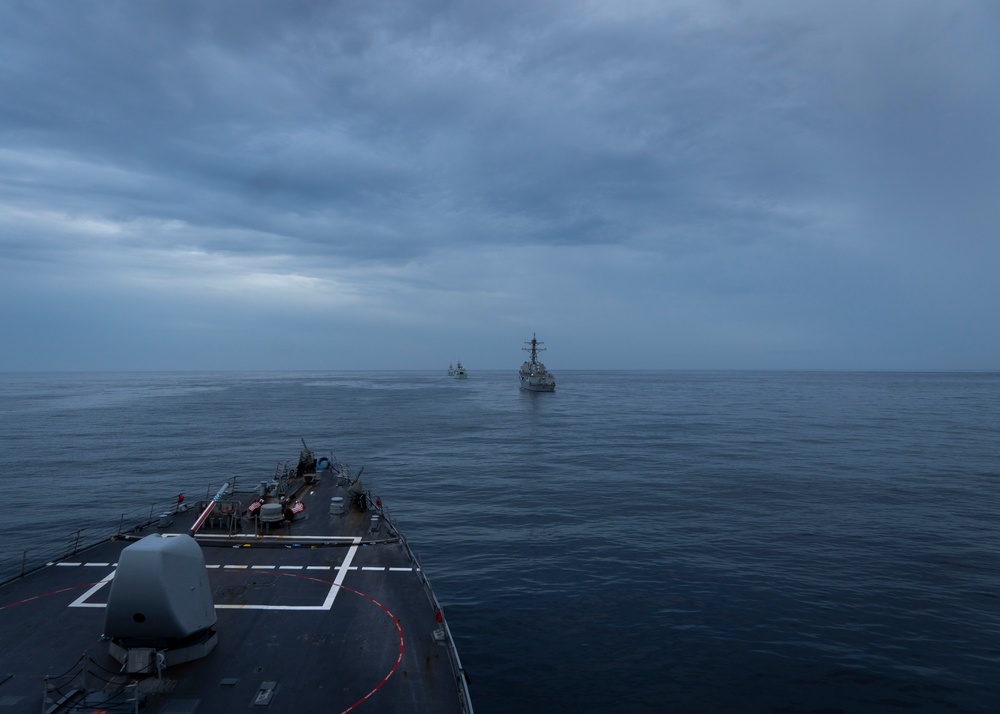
[(534, 349)]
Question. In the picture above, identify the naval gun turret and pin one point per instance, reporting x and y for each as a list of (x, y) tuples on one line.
[(160, 610)]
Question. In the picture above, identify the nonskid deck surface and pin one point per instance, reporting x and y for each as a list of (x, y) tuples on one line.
[(323, 614)]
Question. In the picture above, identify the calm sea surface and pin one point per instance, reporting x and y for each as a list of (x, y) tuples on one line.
[(634, 542)]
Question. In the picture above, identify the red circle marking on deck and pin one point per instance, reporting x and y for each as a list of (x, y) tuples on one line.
[(53, 592), (369, 598)]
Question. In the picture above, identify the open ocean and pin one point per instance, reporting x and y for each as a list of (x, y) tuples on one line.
[(778, 542)]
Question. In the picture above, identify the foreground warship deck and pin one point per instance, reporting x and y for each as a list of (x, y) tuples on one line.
[(317, 604)]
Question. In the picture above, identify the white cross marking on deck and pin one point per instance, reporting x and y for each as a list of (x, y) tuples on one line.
[(82, 600), (341, 573), (326, 605)]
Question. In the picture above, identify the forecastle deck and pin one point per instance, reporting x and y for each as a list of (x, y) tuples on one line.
[(329, 611)]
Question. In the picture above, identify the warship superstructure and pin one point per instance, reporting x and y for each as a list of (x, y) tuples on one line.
[(295, 593), (533, 374)]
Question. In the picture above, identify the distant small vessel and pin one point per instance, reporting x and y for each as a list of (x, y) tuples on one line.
[(460, 372), (451, 370), (534, 376)]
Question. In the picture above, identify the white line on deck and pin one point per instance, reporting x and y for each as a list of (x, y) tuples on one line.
[(332, 595), (219, 566), (82, 600), (326, 605)]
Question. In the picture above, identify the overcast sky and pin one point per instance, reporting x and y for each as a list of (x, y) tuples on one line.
[(672, 184)]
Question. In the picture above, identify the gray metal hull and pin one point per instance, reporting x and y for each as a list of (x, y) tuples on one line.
[(538, 384)]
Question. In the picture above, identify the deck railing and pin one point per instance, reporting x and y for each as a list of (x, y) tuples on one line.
[(444, 632), (47, 548)]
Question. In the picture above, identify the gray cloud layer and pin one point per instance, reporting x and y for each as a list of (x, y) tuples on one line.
[(350, 185)]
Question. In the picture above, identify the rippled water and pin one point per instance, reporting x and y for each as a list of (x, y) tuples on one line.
[(634, 542)]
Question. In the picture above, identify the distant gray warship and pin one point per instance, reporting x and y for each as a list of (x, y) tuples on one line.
[(534, 376), (295, 595)]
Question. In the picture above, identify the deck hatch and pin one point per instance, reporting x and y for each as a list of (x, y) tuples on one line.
[(261, 581), (265, 694)]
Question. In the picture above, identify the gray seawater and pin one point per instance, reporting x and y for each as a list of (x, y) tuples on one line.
[(635, 542)]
